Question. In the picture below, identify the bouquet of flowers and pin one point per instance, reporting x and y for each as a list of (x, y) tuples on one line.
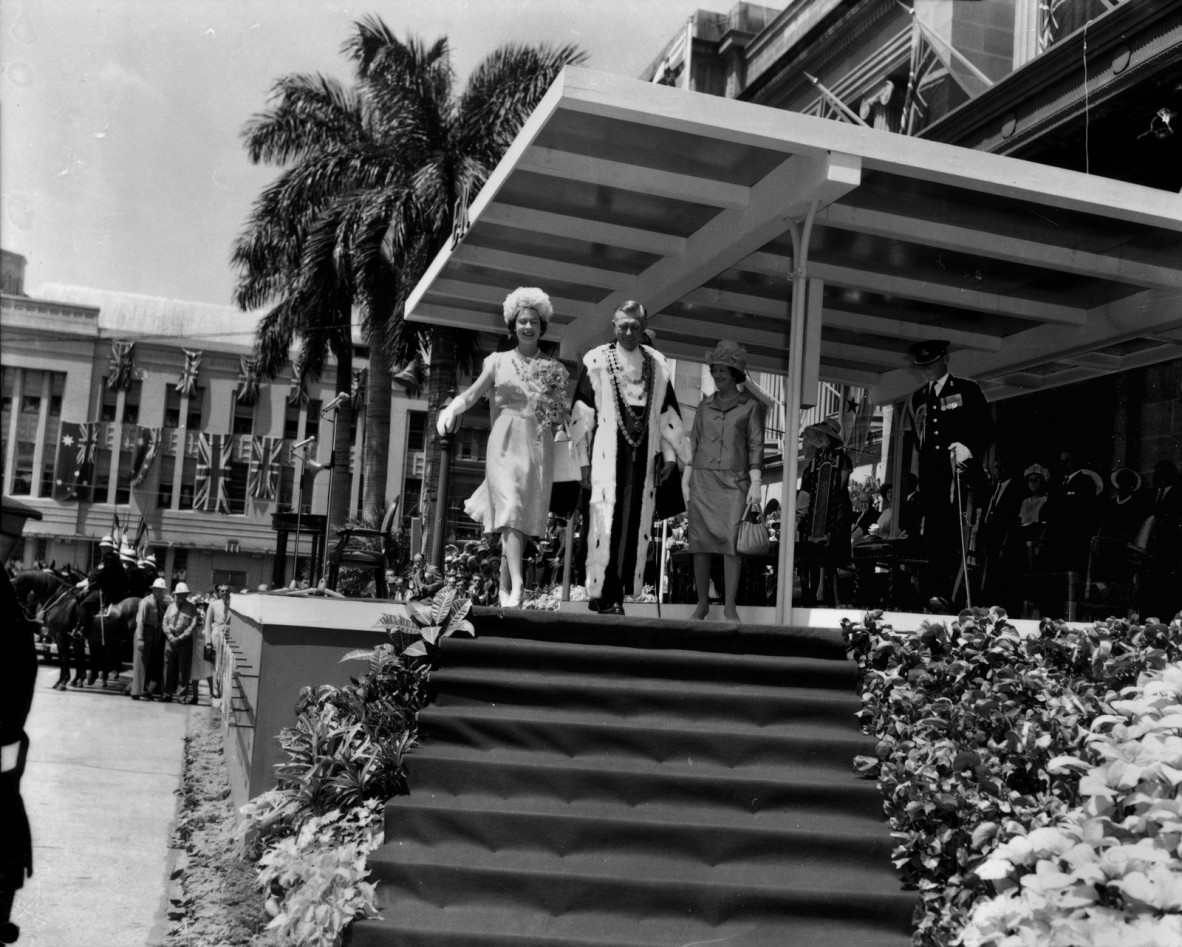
[(550, 377)]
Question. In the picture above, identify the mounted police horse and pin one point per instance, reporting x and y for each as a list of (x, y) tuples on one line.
[(48, 599), (99, 649)]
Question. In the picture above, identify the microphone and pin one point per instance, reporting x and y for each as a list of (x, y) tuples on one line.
[(336, 402), (304, 443)]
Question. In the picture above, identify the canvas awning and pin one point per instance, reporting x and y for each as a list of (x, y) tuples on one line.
[(693, 204)]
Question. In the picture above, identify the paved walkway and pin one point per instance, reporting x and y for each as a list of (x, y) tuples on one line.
[(100, 792)]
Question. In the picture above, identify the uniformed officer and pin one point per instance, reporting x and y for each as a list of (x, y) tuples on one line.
[(952, 426)]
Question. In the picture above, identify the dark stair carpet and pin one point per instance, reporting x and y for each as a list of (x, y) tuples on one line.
[(592, 781)]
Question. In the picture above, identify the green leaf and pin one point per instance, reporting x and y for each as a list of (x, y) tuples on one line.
[(365, 654)]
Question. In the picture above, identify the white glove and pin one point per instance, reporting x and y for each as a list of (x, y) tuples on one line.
[(961, 454), (446, 423), (755, 491)]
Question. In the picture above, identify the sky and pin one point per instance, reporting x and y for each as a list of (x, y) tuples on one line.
[(121, 160)]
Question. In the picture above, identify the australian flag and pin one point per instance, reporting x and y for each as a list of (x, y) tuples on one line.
[(77, 447)]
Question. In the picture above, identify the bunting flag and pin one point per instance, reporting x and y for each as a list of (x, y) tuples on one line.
[(297, 394), (248, 380), (187, 383), (78, 445), (214, 453), (263, 480), (141, 533), (357, 389), (121, 368), (147, 443)]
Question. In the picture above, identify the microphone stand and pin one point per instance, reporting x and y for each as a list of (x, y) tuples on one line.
[(332, 469)]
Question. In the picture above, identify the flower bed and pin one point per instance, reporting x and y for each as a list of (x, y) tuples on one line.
[(986, 738)]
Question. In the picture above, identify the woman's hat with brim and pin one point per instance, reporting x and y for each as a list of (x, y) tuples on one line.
[(1127, 474), (830, 427), (1039, 470), (728, 353)]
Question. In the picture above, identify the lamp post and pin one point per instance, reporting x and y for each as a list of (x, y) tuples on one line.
[(442, 497)]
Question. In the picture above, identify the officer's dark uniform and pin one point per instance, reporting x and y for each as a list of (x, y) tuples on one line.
[(107, 585), (959, 413)]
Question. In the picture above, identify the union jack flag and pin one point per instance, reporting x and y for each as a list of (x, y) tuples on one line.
[(187, 383), (263, 480), (78, 444), (147, 443), (248, 380), (121, 366), (214, 454)]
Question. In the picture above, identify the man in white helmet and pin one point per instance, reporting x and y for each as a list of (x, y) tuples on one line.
[(179, 622)]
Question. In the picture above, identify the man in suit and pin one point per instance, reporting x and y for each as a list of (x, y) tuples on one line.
[(951, 426), (1000, 576), (1161, 577)]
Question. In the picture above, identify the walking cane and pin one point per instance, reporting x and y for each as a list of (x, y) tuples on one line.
[(960, 528)]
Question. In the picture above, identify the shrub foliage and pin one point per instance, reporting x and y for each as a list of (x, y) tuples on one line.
[(976, 726)]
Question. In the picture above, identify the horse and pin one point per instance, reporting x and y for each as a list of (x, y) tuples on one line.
[(110, 636), (60, 616)]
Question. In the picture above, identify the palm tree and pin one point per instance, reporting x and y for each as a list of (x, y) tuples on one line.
[(373, 177), (451, 141)]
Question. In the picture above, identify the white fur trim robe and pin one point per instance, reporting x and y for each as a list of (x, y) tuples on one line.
[(596, 439)]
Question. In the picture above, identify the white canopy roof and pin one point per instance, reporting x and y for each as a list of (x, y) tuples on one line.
[(620, 189)]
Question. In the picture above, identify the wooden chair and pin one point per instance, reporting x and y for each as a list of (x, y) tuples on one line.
[(345, 555)]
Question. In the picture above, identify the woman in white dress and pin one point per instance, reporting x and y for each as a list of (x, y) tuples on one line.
[(528, 403)]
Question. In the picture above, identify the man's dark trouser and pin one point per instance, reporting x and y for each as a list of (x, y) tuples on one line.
[(621, 563)]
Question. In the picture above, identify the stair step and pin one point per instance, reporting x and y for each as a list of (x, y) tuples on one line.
[(655, 737), (409, 922), (699, 833), (530, 654), (757, 704), (811, 787), (451, 872), (628, 631)]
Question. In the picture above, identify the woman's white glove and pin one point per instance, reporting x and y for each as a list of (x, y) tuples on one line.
[(755, 491), (447, 422), (685, 481)]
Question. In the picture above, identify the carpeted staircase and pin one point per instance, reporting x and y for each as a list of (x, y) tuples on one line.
[(590, 780)]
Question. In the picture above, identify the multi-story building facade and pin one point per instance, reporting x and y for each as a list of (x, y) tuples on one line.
[(146, 412)]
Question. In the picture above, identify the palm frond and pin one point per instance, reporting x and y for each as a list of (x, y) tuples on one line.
[(308, 113)]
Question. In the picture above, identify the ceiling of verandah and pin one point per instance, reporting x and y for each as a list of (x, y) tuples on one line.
[(618, 189)]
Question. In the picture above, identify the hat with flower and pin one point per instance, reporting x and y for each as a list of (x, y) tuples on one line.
[(527, 297), (728, 353)]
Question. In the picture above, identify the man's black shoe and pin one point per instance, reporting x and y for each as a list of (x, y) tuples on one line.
[(594, 604), (616, 609), (938, 605)]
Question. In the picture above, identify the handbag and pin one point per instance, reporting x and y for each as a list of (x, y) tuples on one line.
[(208, 654), (753, 538)]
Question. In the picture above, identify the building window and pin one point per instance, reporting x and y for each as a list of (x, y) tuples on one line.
[(416, 430), (110, 402), (22, 472), (286, 486), (164, 490), (236, 486), (172, 406), (102, 475), (291, 422), (131, 403), (188, 483), (123, 483), (312, 424), (180, 565), (243, 422), (57, 390), (41, 549), (196, 414), (7, 385)]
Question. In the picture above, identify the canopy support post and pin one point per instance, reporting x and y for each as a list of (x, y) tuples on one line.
[(801, 234)]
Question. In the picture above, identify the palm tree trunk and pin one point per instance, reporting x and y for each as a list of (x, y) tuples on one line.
[(441, 381), (377, 432), (342, 474)]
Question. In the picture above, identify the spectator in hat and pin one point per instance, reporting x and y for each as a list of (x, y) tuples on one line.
[(203, 661), (723, 478), (951, 426), (1127, 508), (179, 622), (825, 537), (147, 653)]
